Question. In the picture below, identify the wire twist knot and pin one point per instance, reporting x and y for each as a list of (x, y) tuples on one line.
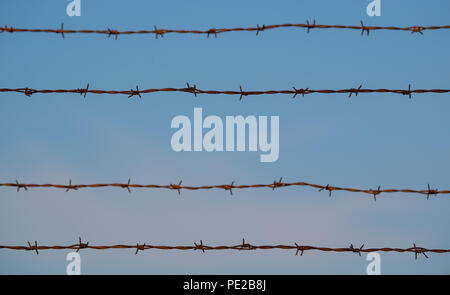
[(375, 192), (158, 32), (277, 183), (419, 250), (408, 92), (199, 246), (310, 26), (431, 192), (81, 245), (416, 29), (246, 246), (139, 248), (112, 32), (212, 31), (243, 93), (83, 91), (354, 90), (20, 185), (176, 187), (328, 188), (33, 248), (191, 89), (300, 248), (260, 29), (300, 91), (364, 29), (356, 250), (70, 186), (135, 92)]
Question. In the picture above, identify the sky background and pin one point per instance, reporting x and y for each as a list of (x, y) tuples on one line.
[(370, 140)]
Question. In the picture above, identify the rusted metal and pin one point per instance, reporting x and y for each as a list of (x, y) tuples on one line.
[(228, 187), (215, 31), (244, 246)]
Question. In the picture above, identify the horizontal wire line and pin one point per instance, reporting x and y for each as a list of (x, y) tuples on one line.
[(239, 247), (227, 187), (194, 90), (214, 31)]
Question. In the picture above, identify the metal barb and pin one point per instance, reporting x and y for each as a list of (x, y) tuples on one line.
[(112, 32), (243, 93), (135, 92), (277, 183), (139, 248), (309, 26), (299, 248), (70, 186), (62, 30), (20, 185), (81, 245), (177, 187), (356, 250), (364, 29), (83, 91), (199, 246), (192, 89), (260, 29), (408, 92), (300, 91), (375, 193), (353, 90), (127, 185), (246, 246), (328, 188), (35, 247), (212, 31), (229, 188), (158, 32), (28, 92), (418, 250), (416, 29), (431, 192)]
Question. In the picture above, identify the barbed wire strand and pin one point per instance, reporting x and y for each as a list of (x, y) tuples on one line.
[(228, 187), (215, 31), (239, 247), (241, 93)]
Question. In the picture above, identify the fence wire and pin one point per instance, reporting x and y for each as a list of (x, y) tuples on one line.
[(238, 247), (308, 26), (228, 187), (241, 93)]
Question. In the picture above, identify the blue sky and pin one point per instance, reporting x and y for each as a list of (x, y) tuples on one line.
[(370, 140)]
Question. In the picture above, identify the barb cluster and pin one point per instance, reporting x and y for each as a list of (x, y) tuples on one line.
[(228, 187), (214, 31), (241, 93), (244, 246)]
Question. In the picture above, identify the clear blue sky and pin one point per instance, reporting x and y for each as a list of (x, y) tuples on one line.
[(371, 140)]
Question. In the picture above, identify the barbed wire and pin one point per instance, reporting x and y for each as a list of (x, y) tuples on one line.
[(241, 93), (239, 247), (227, 187), (215, 31)]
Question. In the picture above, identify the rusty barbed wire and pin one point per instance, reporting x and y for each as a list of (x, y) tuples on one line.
[(228, 187), (244, 246), (241, 93), (215, 31)]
